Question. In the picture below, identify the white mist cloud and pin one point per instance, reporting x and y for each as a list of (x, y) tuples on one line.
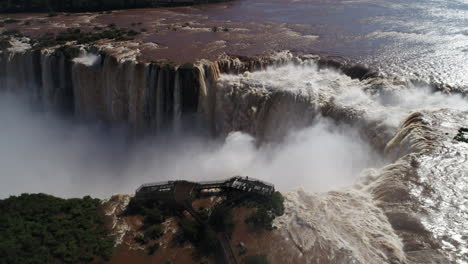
[(40, 152), (318, 158)]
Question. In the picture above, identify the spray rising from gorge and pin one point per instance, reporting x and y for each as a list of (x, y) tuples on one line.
[(68, 159), (288, 124)]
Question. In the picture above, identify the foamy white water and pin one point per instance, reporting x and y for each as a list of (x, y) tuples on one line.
[(421, 192)]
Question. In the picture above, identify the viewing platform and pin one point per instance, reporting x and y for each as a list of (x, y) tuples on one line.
[(181, 193), (246, 184)]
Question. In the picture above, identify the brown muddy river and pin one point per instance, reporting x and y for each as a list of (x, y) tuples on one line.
[(420, 39), (425, 40)]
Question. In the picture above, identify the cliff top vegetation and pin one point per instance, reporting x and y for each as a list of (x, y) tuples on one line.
[(200, 227), (39, 228), (75, 35)]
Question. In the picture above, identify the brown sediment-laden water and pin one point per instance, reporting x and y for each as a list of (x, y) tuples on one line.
[(418, 39), (365, 155)]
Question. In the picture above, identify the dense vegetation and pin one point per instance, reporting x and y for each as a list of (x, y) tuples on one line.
[(75, 35), (83, 5), (221, 219), (155, 212), (462, 135), (81, 37), (267, 209), (202, 238), (39, 228), (202, 232)]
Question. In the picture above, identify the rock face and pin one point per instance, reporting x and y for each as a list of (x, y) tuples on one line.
[(114, 208)]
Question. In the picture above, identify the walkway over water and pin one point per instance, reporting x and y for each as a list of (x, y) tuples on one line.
[(245, 184)]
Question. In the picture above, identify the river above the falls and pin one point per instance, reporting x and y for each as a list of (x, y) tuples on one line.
[(424, 40), (420, 39)]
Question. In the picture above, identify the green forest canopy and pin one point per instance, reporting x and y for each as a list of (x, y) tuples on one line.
[(39, 228)]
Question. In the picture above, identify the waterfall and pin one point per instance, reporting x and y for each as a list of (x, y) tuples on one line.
[(19, 72), (177, 111), (94, 86), (141, 95), (48, 75), (149, 111), (159, 100)]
